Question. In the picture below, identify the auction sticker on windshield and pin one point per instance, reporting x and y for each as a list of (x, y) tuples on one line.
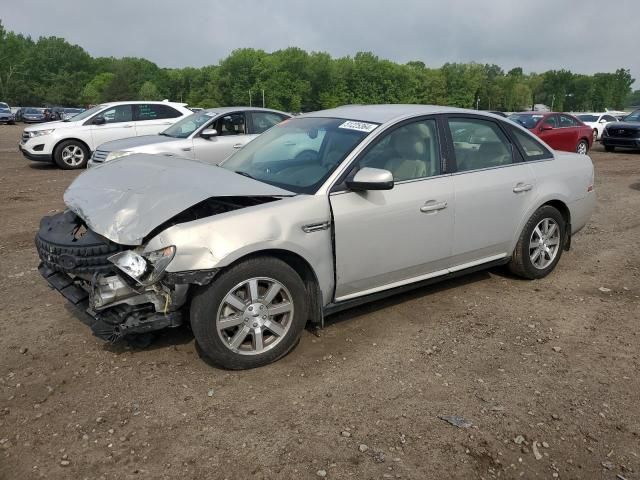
[(359, 126)]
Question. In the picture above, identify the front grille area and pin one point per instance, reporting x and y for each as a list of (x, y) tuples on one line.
[(99, 155), (624, 132)]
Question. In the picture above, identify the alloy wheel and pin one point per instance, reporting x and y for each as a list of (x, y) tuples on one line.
[(544, 243), (72, 155), (254, 316)]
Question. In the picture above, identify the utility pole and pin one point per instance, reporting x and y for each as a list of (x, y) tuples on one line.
[(249, 97), (263, 98), (553, 99), (478, 103)]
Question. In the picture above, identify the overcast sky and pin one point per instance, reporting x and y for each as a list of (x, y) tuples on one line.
[(536, 34)]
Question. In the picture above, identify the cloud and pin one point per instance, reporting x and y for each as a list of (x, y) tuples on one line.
[(536, 35)]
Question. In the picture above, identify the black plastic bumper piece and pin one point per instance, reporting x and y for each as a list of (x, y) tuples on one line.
[(111, 324), (36, 157)]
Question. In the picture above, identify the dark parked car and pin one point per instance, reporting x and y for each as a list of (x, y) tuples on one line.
[(561, 131), (5, 114), (624, 134), (33, 115)]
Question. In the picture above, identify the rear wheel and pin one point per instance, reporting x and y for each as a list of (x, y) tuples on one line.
[(583, 147), (251, 315), (609, 148), (71, 155), (539, 247), (595, 135)]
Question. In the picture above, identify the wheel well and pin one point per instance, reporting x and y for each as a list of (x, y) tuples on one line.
[(562, 208), (302, 268), (66, 140)]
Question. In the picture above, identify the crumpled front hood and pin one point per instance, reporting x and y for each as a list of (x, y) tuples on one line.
[(125, 199), (133, 142)]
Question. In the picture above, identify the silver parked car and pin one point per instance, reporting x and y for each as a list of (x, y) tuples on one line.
[(322, 212), (208, 135)]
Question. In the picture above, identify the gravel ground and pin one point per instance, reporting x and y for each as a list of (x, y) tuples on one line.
[(546, 372)]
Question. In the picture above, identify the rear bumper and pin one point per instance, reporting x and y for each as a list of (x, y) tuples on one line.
[(36, 157)]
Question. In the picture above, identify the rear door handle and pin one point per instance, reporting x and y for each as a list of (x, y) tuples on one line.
[(522, 187), (127, 126), (433, 206), (186, 149), (238, 145)]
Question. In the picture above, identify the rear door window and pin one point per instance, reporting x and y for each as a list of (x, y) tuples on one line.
[(479, 144), (529, 146), (154, 111), (263, 121)]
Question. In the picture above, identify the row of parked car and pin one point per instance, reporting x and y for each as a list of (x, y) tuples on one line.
[(10, 115), (117, 129)]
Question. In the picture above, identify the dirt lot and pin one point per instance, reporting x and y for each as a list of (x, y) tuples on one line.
[(554, 361)]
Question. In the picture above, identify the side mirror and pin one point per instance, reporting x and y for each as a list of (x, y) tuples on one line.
[(208, 133), (371, 179), (546, 127), (99, 121)]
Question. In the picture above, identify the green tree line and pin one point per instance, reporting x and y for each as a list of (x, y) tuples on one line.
[(51, 71)]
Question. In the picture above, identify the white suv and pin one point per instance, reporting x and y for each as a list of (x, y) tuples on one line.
[(69, 143)]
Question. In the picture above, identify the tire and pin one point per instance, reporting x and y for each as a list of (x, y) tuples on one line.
[(521, 263), (64, 245), (609, 148), (582, 147), (71, 155), (237, 346), (595, 135)]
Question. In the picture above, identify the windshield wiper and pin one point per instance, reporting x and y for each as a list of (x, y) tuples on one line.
[(244, 174)]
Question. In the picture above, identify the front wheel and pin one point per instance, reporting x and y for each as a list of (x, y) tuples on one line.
[(71, 155), (583, 147), (539, 247), (595, 135), (251, 315)]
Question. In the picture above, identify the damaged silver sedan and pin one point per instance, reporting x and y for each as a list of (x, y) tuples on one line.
[(320, 213)]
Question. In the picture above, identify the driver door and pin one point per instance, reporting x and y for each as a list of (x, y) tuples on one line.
[(118, 123), (389, 238), (231, 136)]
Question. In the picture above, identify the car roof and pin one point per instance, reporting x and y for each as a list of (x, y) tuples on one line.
[(223, 110), (387, 113), (158, 102)]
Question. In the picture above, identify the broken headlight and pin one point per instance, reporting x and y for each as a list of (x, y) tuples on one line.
[(117, 154), (144, 268)]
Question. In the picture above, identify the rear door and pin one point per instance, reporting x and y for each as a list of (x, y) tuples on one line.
[(118, 123), (231, 128), (152, 118), (493, 189), (571, 131), (388, 238)]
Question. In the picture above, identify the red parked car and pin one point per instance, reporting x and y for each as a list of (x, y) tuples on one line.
[(560, 131)]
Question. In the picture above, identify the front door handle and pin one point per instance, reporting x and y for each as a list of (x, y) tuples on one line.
[(186, 149), (238, 145), (433, 206), (522, 187), (127, 126)]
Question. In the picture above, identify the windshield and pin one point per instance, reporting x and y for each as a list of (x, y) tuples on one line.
[(87, 113), (72, 110), (299, 154), (4, 105), (632, 117), (526, 120), (588, 118), (32, 111), (188, 125)]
